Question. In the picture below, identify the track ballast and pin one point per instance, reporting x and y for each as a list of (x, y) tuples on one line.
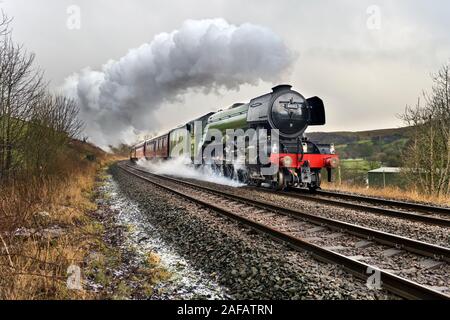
[(291, 226)]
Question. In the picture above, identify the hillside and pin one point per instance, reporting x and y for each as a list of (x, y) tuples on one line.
[(383, 146)]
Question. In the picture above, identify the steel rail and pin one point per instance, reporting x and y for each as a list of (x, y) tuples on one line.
[(395, 284), (387, 202), (366, 208)]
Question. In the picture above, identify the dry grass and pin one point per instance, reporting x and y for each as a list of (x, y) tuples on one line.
[(44, 228), (390, 193), (154, 269)]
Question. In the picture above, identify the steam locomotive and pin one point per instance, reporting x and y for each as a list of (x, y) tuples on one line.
[(298, 162)]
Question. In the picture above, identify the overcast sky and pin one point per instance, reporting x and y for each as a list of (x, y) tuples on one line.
[(365, 62)]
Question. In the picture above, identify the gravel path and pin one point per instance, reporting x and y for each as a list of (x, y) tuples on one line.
[(249, 265)]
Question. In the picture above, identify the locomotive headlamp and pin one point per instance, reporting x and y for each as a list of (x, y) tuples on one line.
[(305, 147), (274, 148), (286, 161)]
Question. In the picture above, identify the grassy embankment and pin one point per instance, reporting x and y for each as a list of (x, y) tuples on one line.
[(48, 226), (45, 227)]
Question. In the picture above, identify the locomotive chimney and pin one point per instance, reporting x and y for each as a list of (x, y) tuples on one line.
[(281, 87)]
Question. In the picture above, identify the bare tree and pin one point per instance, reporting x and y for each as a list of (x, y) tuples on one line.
[(65, 116), (54, 122), (4, 24), (428, 153), (34, 125), (21, 86)]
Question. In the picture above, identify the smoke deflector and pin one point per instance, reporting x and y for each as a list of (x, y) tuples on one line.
[(317, 111)]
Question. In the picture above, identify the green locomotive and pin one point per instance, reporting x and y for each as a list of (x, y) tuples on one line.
[(282, 116)]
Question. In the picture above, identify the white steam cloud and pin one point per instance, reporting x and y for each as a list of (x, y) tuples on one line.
[(120, 100), (181, 167)]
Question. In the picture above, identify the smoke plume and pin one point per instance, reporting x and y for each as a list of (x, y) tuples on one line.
[(120, 100)]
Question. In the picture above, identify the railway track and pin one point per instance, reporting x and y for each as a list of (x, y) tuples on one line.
[(301, 230), (417, 207), (438, 216)]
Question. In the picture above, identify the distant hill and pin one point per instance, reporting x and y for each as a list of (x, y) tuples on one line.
[(384, 145)]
